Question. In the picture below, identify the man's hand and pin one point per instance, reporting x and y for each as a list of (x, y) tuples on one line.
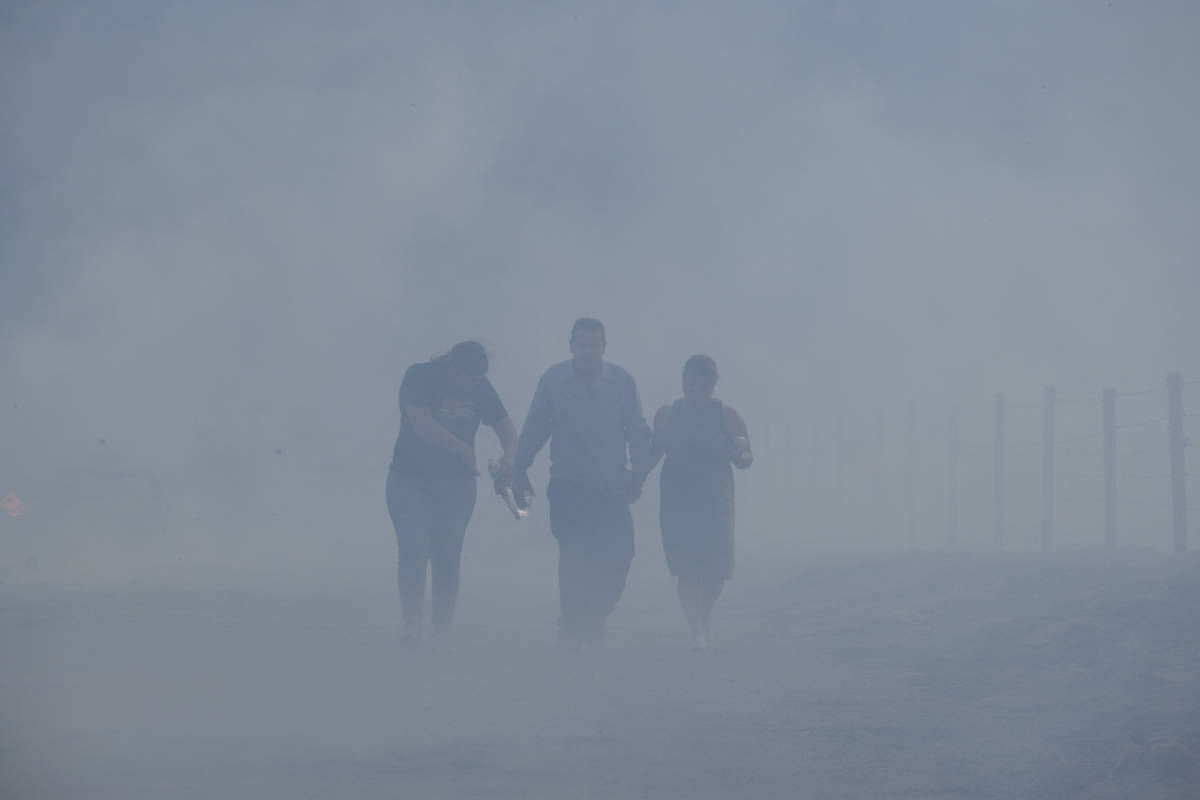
[(521, 484), (505, 468)]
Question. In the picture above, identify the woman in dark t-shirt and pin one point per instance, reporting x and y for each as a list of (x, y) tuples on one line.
[(701, 437), (432, 480)]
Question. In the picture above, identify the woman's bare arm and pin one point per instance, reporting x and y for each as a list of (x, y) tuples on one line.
[(742, 456), (656, 449), (507, 434)]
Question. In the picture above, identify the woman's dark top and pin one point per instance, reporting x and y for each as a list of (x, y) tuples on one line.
[(427, 385), (696, 501)]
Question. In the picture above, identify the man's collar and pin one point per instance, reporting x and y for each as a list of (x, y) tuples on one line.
[(607, 371)]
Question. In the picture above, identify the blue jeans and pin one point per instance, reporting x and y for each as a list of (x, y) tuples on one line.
[(430, 516)]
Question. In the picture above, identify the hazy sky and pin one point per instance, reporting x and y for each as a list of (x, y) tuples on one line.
[(227, 231)]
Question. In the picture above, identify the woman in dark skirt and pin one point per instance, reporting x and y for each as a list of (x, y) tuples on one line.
[(701, 437)]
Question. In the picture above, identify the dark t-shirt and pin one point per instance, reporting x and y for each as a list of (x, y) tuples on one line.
[(427, 385)]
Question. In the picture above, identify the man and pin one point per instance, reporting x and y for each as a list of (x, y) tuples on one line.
[(431, 483), (599, 458)]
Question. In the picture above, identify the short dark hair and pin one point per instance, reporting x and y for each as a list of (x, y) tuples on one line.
[(469, 358), (701, 365), (588, 324)]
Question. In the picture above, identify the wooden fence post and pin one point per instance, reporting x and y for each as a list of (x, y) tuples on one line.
[(880, 518), (1178, 443), (998, 442), (952, 479), (1110, 467), (910, 470), (1047, 530)]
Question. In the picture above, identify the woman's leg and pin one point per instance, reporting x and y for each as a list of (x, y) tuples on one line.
[(454, 504), (410, 506), (710, 587), (689, 600), (698, 594)]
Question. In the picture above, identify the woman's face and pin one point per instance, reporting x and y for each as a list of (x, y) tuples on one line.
[(462, 384), (698, 385)]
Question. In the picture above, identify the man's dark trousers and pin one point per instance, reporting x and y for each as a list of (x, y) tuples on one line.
[(594, 529)]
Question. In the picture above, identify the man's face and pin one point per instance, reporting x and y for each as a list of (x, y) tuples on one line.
[(588, 349)]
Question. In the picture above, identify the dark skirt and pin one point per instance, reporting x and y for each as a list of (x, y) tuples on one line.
[(696, 516)]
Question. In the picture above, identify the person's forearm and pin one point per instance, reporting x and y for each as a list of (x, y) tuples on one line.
[(641, 452), (533, 438), (507, 434), (742, 456), (536, 430)]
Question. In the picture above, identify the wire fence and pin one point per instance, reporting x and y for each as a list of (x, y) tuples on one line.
[(1084, 470)]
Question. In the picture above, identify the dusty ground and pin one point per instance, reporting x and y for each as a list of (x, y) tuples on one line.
[(930, 676)]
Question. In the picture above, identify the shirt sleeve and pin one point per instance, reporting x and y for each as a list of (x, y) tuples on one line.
[(416, 389), (637, 432), (491, 410), (538, 425)]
